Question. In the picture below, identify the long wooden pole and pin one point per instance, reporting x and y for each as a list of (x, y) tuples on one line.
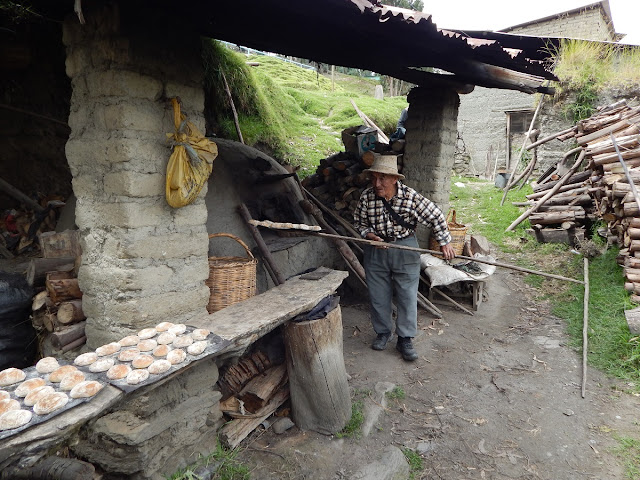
[(18, 195), (433, 252), (585, 326), (233, 107)]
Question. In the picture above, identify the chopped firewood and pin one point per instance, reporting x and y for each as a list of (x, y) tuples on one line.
[(259, 390)]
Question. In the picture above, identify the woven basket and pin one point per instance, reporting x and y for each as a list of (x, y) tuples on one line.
[(458, 233), (231, 279)]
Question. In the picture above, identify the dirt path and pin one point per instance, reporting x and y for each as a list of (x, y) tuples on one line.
[(493, 396)]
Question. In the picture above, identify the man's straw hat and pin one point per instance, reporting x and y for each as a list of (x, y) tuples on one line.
[(387, 164)]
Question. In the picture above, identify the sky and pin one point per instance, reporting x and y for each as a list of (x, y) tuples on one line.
[(498, 14)]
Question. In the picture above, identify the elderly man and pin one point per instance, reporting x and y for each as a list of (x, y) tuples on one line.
[(389, 211)]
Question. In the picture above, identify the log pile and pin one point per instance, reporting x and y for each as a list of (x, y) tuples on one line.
[(340, 179), (601, 190), (57, 313)]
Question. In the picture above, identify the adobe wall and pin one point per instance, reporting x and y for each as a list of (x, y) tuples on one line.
[(430, 148), (143, 261), (588, 24)]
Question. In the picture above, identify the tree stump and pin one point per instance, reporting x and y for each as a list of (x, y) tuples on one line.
[(319, 391)]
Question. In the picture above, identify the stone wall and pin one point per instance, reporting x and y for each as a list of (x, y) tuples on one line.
[(158, 429), (143, 261), (430, 148)]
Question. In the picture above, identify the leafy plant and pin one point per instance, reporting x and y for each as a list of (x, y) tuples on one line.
[(222, 462), (396, 394), (415, 462)]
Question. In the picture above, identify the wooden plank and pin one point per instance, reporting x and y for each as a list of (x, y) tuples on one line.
[(633, 320), (261, 388)]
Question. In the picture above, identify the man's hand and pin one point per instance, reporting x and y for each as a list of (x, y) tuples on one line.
[(375, 238), (447, 251)]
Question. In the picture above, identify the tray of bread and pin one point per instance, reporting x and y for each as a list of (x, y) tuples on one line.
[(34, 395), (152, 354)]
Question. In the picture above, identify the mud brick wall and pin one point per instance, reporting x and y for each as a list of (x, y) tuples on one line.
[(143, 261), (157, 429), (430, 148)]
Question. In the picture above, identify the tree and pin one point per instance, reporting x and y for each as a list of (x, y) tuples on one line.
[(416, 5)]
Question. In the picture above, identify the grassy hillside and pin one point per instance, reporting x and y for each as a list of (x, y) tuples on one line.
[(291, 112)]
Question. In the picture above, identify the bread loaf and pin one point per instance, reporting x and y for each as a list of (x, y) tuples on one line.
[(118, 371), (70, 380), (146, 333), (200, 334), (147, 345), (10, 376), (142, 361), (85, 389), (159, 366), (161, 351), (128, 354), (197, 348), (176, 356), (28, 385), (60, 372), (129, 341), (50, 403), (86, 359), (182, 341), (9, 404), (101, 365), (15, 419), (4, 395), (47, 365), (165, 338), (164, 326), (178, 329), (108, 349), (36, 394), (137, 376)]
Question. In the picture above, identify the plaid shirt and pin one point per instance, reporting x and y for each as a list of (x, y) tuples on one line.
[(371, 216)]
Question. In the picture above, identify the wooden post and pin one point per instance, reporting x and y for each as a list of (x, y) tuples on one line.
[(233, 107), (320, 399)]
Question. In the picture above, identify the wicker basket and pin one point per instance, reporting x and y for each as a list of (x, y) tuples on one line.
[(231, 279), (458, 233)]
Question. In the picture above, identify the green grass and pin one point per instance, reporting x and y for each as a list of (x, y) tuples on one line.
[(396, 394), (227, 466), (352, 429), (628, 451), (415, 462)]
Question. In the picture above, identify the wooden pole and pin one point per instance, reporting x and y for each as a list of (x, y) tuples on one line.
[(370, 123), (551, 192), (626, 171), (233, 107), (18, 195), (585, 326)]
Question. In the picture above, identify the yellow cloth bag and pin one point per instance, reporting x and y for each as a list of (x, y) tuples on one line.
[(190, 163)]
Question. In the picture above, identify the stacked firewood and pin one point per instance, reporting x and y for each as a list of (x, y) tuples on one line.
[(602, 190), (340, 179), (57, 313)]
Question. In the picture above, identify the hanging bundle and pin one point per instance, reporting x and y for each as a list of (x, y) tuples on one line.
[(191, 161)]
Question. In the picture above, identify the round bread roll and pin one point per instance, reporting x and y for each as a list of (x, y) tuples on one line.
[(197, 348), (36, 394), (137, 376), (178, 329), (146, 333), (50, 403), (165, 338), (159, 366), (176, 356), (60, 372), (164, 326), (71, 379), (182, 341), (10, 376), (4, 395), (129, 341), (47, 365), (128, 354), (85, 359), (101, 365), (147, 345), (85, 389), (200, 333), (161, 351), (142, 361), (14, 419), (108, 349), (117, 372), (9, 404), (28, 385)]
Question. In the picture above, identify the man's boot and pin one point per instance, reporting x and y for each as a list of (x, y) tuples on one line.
[(380, 343), (405, 347)]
